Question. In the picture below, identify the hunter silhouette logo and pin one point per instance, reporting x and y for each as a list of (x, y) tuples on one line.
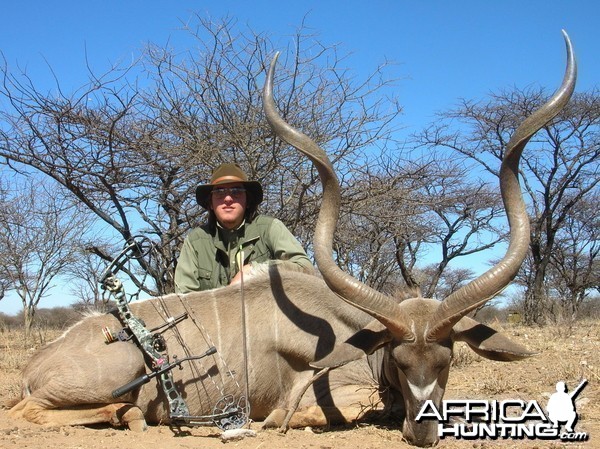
[(507, 419), (561, 407)]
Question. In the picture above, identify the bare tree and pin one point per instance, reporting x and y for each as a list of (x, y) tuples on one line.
[(84, 278), (369, 216), (450, 280), (5, 275), (560, 167), (38, 234), (133, 143), (403, 212), (465, 214), (574, 271)]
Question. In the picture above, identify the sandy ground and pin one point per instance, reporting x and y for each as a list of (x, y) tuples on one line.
[(567, 354)]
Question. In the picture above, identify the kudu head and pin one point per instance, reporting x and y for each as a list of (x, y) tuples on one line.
[(418, 334)]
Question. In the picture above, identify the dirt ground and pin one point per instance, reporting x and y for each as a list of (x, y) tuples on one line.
[(566, 353)]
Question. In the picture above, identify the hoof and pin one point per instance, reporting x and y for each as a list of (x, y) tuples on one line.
[(133, 418), (137, 425)]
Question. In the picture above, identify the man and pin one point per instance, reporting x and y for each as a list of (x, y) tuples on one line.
[(235, 236), (561, 406)]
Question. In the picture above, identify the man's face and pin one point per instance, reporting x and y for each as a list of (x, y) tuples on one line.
[(229, 204)]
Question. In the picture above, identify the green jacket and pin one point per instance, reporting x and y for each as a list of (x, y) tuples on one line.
[(210, 259)]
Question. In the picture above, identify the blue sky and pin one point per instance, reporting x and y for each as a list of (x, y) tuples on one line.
[(444, 50)]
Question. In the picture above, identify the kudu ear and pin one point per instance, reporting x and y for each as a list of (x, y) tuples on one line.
[(365, 341), (488, 342)]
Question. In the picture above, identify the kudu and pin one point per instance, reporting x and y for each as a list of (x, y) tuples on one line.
[(418, 334), (294, 324)]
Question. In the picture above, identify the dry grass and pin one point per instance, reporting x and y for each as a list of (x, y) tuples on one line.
[(568, 355)]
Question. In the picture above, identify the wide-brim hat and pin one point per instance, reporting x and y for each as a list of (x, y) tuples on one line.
[(228, 174)]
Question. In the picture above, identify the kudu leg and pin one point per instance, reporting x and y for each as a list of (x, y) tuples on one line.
[(354, 402), (314, 416), (117, 414)]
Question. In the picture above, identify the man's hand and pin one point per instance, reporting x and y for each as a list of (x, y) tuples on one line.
[(246, 269)]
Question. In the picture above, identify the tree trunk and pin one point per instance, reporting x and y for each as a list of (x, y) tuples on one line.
[(28, 314), (535, 298)]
